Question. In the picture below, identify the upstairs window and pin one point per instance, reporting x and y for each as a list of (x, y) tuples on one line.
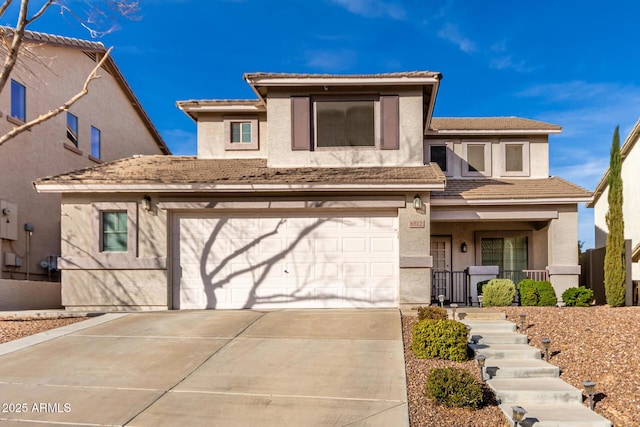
[(18, 101), (440, 152), (345, 124), (72, 129), (515, 158), (95, 143), (114, 231), (241, 133), (477, 156)]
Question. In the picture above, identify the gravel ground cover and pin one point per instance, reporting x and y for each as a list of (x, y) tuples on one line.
[(600, 344), (17, 328)]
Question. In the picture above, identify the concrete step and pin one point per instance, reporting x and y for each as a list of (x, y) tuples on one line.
[(560, 415), (482, 337), (490, 325), (515, 391), (506, 351), (507, 368), (468, 313)]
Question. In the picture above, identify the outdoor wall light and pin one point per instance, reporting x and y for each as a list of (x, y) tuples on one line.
[(453, 310), (417, 203), (517, 415), (441, 299), (590, 389), (146, 203), (523, 319), (481, 359), (463, 247), (546, 345)]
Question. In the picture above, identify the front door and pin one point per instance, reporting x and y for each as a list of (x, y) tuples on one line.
[(441, 253)]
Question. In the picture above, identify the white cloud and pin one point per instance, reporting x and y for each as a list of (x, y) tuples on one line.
[(330, 60), (507, 62), (452, 34), (374, 8)]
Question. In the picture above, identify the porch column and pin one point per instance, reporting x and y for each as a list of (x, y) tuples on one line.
[(563, 277), (479, 273), (415, 261)]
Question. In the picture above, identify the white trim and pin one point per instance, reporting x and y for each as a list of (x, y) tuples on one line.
[(494, 132), (241, 146), (488, 161), (493, 215), (339, 81), (114, 258), (511, 202), (197, 188), (394, 202), (526, 158), (450, 153)]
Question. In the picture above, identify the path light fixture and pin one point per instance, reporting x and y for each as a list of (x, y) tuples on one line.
[(517, 415), (454, 307), (481, 359), (590, 389), (441, 299), (546, 345), (480, 300), (523, 319)]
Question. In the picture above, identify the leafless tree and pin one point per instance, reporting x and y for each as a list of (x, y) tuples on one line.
[(96, 19)]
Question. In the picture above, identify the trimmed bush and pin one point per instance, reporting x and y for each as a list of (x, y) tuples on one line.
[(432, 313), (440, 339), (498, 293), (454, 387), (536, 293), (578, 297)]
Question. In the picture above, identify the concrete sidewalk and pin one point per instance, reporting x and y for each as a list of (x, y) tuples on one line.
[(288, 367)]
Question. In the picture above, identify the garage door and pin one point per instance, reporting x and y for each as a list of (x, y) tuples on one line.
[(258, 261)]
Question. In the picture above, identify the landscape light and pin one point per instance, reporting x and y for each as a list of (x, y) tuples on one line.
[(481, 359), (480, 300), (546, 345), (518, 415), (453, 310), (590, 389), (523, 318), (441, 299)]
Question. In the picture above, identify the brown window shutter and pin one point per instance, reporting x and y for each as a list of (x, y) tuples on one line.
[(300, 123), (390, 113)]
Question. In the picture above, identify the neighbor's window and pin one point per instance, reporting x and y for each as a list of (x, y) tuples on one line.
[(477, 156), (515, 158), (72, 129), (114, 231), (95, 142), (508, 253), (345, 123), (241, 132), (18, 101)]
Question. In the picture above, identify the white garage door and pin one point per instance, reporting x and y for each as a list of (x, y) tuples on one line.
[(258, 261)]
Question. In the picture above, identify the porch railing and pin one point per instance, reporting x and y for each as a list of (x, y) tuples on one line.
[(516, 276)]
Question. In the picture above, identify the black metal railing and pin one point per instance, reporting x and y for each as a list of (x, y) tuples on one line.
[(453, 285)]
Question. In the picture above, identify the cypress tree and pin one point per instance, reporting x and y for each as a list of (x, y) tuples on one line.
[(614, 265)]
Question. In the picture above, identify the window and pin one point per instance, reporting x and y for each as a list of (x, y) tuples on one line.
[(114, 231), (241, 133), (18, 101), (478, 159), (345, 124), (95, 143), (508, 253), (72, 129), (440, 153), (515, 158)]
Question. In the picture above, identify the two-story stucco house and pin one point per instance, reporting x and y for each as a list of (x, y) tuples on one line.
[(325, 191), (631, 200), (107, 124)]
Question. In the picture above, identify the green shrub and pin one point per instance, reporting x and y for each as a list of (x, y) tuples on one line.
[(480, 284), (546, 294), (498, 293), (440, 339), (432, 313), (579, 297), (536, 293), (527, 291), (454, 387)]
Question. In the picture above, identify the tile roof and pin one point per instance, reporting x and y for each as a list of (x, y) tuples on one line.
[(258, 75), (490, 123), (33, 36), (190, 170), (510, 189)]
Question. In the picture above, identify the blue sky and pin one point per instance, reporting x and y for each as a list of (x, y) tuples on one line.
[(566, 62)]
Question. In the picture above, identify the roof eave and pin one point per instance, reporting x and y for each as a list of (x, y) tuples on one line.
[(494, 132), (435, 201)]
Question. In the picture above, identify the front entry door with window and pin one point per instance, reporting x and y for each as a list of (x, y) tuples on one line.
[(441, 253)]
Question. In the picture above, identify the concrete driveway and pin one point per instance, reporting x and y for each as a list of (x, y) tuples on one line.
[(263, 368)]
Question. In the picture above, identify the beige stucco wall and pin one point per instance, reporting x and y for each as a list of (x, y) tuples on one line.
[(563, 237), (211, 138), (409, 154), (29, 295), (57, 75)]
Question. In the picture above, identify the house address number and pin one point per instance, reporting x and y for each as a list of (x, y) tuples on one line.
[(417, 224)]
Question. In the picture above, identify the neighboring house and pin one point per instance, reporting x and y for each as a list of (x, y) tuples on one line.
[(326, 191), (631, 200), (105, 125)]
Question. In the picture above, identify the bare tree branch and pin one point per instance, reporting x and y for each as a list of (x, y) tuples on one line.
[(64, 107), (16, 41), (42, 10), (4, 7)]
